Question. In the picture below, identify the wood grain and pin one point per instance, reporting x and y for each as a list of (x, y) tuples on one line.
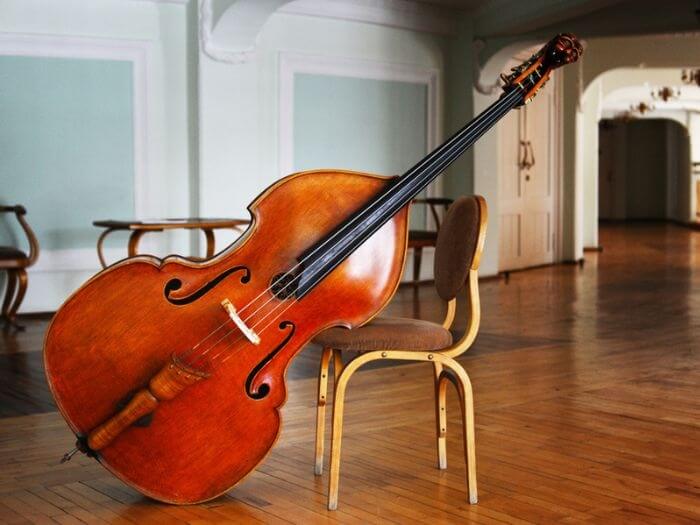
[(115, 333), (586, 397)]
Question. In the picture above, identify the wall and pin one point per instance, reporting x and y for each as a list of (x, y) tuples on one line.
[(151, 37), (245, 108), (208, 133), (68, 130), (382, 127)]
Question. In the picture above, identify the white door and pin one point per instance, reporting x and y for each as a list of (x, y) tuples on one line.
[(526, 189)]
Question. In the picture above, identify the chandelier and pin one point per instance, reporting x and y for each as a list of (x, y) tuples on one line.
[(642, 108), (666, 93), (691, 76)]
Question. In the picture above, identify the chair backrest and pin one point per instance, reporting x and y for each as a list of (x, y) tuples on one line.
[(459, 244), (20, 212)]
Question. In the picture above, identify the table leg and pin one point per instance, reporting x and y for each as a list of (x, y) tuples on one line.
[(211, 247), (100, 242), (134, 239)]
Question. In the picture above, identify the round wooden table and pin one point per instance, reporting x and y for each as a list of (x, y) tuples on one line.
[(139, 228)]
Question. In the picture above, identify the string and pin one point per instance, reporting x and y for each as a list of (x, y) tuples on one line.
[(454, 147), (487, 121)]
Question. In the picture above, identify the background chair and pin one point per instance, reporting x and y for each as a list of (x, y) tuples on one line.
[(457, 254), (419, 239), (16, 262)]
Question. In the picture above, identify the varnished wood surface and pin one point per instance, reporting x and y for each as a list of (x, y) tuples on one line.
[(121, 327), (587, 397)]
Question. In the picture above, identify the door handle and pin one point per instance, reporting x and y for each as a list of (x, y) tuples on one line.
[(524, 163), (532, 154)]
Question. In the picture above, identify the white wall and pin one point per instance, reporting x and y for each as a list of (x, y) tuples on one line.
[(209, 131), (240, 113), (153, 35)]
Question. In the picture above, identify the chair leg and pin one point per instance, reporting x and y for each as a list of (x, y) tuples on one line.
[(9, 292), (440, 417), (417, 257), (464, 388), (337, 365), (321, 408), (337, 434), (21, 276)]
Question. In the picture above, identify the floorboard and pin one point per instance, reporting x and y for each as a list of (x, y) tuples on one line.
[(587, 395)]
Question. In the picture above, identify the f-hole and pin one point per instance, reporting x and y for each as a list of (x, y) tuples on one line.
[(175, 284), (263, 390)]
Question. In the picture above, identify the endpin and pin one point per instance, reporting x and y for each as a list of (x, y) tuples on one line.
[(68, 455)]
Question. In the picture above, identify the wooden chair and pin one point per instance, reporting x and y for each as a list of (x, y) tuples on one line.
[(419, 239), (458, 251), (16, 262)]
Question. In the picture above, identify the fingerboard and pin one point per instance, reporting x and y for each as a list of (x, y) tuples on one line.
[(335, 247)]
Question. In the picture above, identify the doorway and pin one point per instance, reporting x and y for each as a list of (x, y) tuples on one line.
[(528, 184), (644, 170)]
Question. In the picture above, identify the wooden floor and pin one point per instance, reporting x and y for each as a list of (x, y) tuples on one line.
[(587, 391)]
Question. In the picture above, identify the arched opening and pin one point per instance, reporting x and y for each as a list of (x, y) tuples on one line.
[(608, 105)]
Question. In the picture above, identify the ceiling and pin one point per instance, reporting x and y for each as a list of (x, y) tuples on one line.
[(621, 99)]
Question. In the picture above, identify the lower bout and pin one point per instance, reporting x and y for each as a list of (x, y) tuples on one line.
[(191, 466)]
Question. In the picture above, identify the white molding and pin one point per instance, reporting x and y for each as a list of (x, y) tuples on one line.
[(206, 40), (248, 20), (403, 14)]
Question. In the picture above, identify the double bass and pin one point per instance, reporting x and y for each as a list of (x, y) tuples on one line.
[(171, 372)]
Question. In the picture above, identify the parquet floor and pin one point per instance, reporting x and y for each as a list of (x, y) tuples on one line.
[(587, 392)]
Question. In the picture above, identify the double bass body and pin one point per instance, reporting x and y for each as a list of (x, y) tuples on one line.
[(119, 330)]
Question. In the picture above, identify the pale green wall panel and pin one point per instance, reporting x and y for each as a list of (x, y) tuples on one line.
[(66, 144), (361, 124)]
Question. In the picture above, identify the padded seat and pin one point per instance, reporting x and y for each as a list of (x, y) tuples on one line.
[(11, 253), (388, 333)]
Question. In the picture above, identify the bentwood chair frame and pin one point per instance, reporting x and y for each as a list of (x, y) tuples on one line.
[(445, 367), (16, 264)]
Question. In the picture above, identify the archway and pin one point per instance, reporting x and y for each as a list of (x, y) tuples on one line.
[(611, 94), (637, 57)]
